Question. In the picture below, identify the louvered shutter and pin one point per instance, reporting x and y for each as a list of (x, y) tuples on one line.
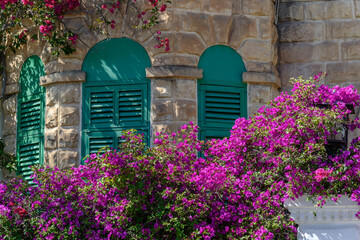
[(222, 94), (132, 100), (30, 153), (30, 134), (116, 93), (110, 110), (30, 117), (220, 107)]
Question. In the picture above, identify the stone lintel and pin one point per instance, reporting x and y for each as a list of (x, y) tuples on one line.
[(63, 77), (174, 72), (261, 78)]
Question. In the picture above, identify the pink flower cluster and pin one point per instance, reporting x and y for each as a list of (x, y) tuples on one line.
[(321, 174)]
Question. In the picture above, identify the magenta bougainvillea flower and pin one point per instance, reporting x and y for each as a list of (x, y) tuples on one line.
[(184, 188)]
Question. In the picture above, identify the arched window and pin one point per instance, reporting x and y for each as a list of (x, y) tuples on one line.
[(221, 92), (30, 115), (116, 94)]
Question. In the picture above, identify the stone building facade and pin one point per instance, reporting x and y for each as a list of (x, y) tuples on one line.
[(310, 36)]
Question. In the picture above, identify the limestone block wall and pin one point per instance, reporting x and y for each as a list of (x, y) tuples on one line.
[(319, 36), (191, 26)]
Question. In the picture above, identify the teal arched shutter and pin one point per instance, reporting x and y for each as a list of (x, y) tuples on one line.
[(116, 95), (30, 115), (221, 92)]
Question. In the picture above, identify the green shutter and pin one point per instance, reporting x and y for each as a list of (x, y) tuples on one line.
[(30, 115), (221, 92), (116, 95)]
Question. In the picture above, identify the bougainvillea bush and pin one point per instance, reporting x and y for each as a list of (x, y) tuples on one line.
[(236, 190)]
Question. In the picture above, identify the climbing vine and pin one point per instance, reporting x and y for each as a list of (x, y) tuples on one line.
[(28, 20)]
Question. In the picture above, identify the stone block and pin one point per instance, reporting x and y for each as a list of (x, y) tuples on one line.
[(69, 138), (315, 10), (342, 29), (237, 7), (6, 175), (308, 52), (338, 9), (252, 109), (35, 47), (258, 50), (74, 23), (162, 111), (51, 117), (357, 8), (185, 60), (51, 139), (69, 116), (63, 65), (258, 7), (301, 31), (190, 43), (163, 128), (68, 159), (261, 78), (189, 4), (13, 77), (51, 158), (267, 29), (9, 121), (14, 62), (9, 105), (240, 29), (350, 50), (223, 6), (306, 70), (254, 66), (199, 23), (173, 72), (67, 77), (70, 93), (9, 124), (343, 72), (162, 88), (10, 144), (260, 94), (185, 110), (185, 89), (220, 27), (12, 89), (52, 95), (291, 12)]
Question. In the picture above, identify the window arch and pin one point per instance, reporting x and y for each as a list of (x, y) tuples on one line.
[(116, 94), (30, 115), (222, 95)]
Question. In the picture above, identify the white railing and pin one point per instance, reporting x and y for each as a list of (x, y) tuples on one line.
[(334, 221)]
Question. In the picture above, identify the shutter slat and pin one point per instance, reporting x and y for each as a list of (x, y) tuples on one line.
[(99, 142), (101, 107), (29, 155), (30, 115), (130, 106), (221, 110), (222, 100), (222, 107), (222, 95)]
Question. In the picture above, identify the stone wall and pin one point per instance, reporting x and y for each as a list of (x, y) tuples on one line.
[(319, 36), (191, 26)]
